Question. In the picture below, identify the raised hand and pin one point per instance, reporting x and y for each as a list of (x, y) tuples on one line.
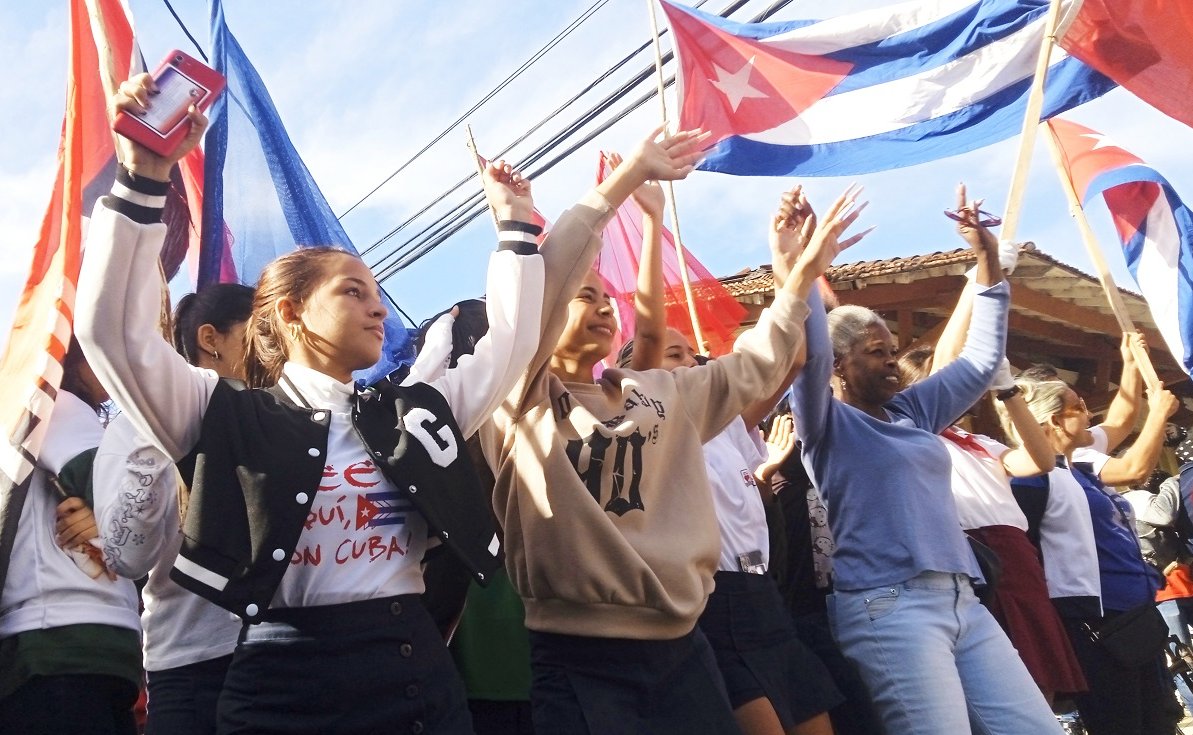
[(791, 229), (669, 158), (825, 244), (969, 224), (136, 95), (649, 195), (507, 192), (1124, 348), (1162, 402)]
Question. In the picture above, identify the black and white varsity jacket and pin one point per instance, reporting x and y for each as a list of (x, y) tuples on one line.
[(254, 473), (253, 458)]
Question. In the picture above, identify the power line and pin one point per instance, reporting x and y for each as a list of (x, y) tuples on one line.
[(462, 214), (559, 37)]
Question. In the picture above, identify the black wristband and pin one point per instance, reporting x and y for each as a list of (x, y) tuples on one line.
[(1007, 394), (520, 237)]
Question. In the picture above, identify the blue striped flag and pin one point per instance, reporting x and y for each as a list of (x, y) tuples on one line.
[(868, 91)]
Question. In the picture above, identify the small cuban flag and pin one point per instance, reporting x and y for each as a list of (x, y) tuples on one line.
[(1155, 226)]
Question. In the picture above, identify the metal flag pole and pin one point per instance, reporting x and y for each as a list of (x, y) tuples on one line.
[(679, 253)]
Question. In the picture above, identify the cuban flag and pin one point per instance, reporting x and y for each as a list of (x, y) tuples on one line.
[(1155, 226), (381, 509), (868, 91), (260, 200)]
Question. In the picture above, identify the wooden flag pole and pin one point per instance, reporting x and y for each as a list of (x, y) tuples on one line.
[(1117, 305), (480, 171), (1031, 123), (679, 254)]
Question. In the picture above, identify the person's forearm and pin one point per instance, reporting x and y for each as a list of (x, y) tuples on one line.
[(622, 182), (1137, 462), (650, 313), (1124, 408), (952, 339), (989, 269), (1035, 442)]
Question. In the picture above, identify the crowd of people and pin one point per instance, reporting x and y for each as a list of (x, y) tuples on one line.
[(794, 537)]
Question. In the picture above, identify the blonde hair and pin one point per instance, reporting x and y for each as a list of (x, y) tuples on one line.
[(1044, 398), (294, 276)]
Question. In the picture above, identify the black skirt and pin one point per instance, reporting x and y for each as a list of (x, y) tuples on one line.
[(597, 686), (758, 652), (376, 666)]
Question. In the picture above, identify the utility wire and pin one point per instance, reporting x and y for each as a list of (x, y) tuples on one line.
[(462, 214), (559, 37)]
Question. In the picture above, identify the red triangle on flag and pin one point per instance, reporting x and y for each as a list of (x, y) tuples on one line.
[(1087, 153), (735, 86)]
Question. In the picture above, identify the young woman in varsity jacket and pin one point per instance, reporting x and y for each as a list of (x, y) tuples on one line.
[(611, 536), (188, 641), (311, 502)]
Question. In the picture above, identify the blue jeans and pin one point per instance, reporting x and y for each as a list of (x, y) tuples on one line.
[(935, 660), (1178, 614)]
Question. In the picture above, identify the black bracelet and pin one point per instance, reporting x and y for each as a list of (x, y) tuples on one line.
[(1007, 394)]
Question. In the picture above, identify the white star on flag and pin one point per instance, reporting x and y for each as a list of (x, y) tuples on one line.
[(736, 86), (1102, 141)]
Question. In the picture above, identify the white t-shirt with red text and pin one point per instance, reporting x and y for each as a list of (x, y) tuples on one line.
[(363, 539)]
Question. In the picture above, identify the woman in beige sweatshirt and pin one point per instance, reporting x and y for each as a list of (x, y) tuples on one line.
[(610, 532)]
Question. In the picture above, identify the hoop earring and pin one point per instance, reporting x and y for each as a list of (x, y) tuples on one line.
[(216, 355), (296, 331)]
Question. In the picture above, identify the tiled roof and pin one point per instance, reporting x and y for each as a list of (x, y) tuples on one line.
[(760, 280)]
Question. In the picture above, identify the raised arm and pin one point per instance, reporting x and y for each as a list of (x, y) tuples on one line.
[(479, 382), (937, 401), (650, 308), (574, 241), (1137, 462), (119, 294), (1121, 414), (761, 357), (790, 230), (982, 242), (1035, 455)]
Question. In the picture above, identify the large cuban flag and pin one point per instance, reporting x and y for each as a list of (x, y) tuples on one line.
[(869, 91), (1155, 226)]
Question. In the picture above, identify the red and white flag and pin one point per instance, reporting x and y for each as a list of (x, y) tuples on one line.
[(1144, 45), (719, 313)]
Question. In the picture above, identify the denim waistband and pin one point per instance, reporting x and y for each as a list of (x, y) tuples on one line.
[(937, 581)]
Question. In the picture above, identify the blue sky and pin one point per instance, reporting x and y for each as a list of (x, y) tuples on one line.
[(363, 85)]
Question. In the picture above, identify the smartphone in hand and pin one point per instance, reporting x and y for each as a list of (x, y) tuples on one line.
[(181, 82)]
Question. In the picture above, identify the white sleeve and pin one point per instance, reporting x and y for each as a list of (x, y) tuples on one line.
[(116, 322), (136, 500), (479, 382), (433, 358)]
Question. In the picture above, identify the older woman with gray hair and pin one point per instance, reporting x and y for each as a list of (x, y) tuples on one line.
[(904, 608)]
